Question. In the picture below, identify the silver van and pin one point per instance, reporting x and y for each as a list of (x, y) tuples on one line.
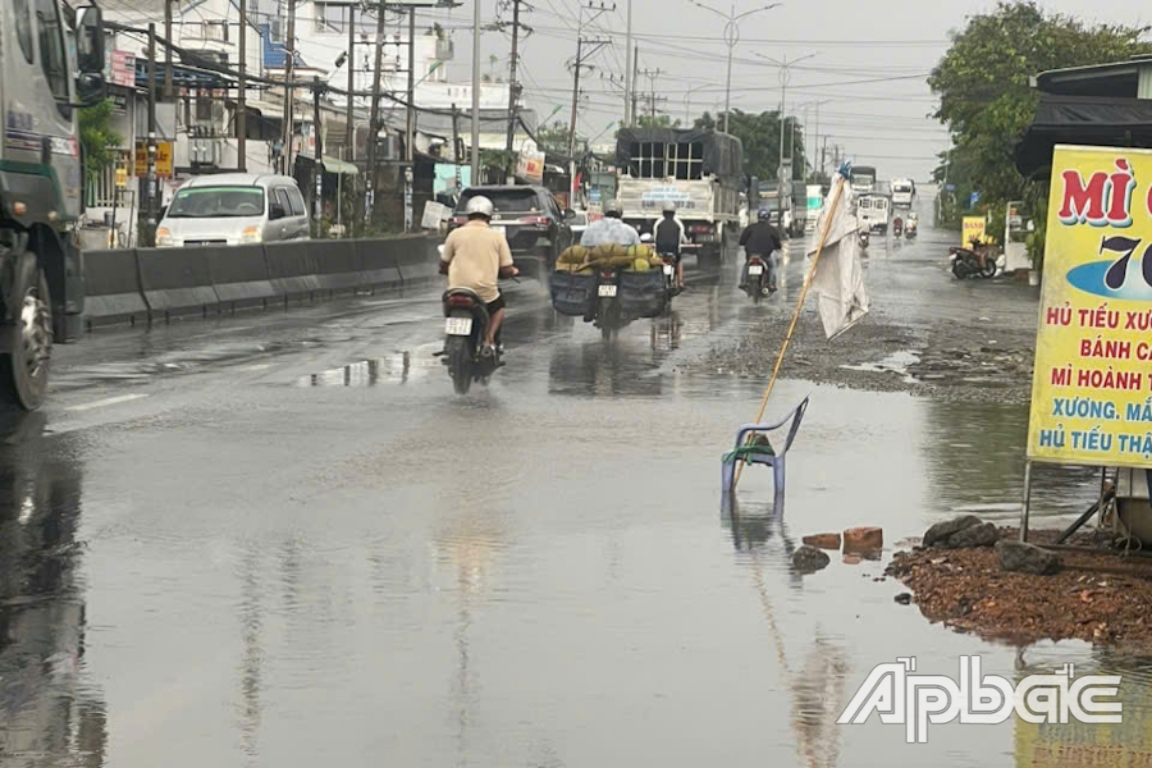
[(234, 209)]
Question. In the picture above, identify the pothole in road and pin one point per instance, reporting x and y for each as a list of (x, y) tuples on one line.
[(897, 363)]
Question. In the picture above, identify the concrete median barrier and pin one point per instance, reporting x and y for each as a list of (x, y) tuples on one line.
[(240, 276), (377, 257), (293, 270), (113, 293), (418, 259), (176, 281), (339, 266)]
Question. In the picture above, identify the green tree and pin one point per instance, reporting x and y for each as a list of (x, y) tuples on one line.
[(760, 135), (660, 121), (553, 137), (983, 83), (97, 138)]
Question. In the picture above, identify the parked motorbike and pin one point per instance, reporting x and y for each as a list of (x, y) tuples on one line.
[(757, 287), (465, 329), (965, 263)]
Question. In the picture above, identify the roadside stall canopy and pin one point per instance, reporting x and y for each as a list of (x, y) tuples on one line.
[(1083, 120)]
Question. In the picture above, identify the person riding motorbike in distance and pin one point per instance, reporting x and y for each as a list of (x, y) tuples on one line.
[(763, 240), (476, 257), (670, 238), (610, 230)]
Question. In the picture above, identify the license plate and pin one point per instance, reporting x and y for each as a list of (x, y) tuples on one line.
[(458, 326), (755, 269), (669, 269), (607, 291)]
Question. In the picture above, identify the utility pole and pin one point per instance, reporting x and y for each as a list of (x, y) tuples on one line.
[(456, 143), (289, 68), (652, 75), (168, 92), (513, 87), (242, 95), (150, 176), (581, 54), (476, 92), (318, 167), (628, 83), (410, 132), (374, 114), (350, 114), (635, 70)]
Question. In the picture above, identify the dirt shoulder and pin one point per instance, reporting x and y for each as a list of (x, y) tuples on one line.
[(1102, 598)]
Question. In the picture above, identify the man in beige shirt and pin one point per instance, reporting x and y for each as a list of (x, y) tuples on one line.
[(476, 257)]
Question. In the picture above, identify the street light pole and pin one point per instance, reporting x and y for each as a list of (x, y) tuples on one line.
[(476, 95), (785, 75), (732, 39)]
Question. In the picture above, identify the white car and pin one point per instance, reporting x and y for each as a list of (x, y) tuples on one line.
[(579, 224)]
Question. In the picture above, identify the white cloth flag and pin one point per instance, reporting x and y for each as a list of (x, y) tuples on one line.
[(839, 278)]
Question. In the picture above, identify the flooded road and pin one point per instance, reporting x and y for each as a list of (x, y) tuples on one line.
[(280, 540)]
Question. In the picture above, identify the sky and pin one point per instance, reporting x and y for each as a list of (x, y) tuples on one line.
[(867, 67)]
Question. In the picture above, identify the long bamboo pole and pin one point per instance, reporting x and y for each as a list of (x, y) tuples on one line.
[(796, 315)]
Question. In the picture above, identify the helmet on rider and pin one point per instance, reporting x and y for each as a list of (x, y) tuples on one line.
[(669, 209), (646, 237), (764, 214), (614, 211), (479, 207)]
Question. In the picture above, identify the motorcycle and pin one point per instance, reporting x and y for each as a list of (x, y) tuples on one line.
[(965, 263), (465, 329), (865, 239), (757, 287), (910, 231), (608, 316), (669, 268), (898, 228)]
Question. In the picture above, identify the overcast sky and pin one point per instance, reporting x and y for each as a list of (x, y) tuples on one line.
[(893, 43)]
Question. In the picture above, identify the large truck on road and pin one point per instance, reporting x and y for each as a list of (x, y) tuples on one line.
[(51, 64), (700, 172)]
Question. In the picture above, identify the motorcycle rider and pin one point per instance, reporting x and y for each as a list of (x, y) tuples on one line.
[(670, 237), (475, 257), (763, 240), (610, 230)]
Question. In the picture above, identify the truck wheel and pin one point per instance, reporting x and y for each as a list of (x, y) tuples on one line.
[(24, 368)]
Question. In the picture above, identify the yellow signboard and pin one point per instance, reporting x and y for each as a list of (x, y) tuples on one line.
[(975, 228), (1092, 389), (121, 177), (163, 159)]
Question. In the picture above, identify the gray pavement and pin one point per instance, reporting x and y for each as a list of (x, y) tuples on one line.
[(281, 540)]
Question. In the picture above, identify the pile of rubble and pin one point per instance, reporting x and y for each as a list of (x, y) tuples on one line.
[(975, 577)]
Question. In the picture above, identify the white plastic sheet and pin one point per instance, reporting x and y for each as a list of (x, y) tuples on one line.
[(839, 279)]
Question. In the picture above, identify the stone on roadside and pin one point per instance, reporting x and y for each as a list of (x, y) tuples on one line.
[(853, 560), (904, 598), (810, 559), (941, 531), (863, 539), (983, 535), (823, 541), (1018, 557)]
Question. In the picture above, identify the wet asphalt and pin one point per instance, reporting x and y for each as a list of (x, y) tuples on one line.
[(280, 539)]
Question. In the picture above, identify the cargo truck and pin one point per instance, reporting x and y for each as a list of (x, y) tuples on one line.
[(700, 172), (51, 65)]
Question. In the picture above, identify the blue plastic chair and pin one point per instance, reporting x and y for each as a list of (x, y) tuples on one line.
[(776, 461)]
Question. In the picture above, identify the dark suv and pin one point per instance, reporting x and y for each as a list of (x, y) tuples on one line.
[(538, 231)]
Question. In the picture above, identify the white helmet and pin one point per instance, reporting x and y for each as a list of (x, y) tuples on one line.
[(669, 207), (480, 206)]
